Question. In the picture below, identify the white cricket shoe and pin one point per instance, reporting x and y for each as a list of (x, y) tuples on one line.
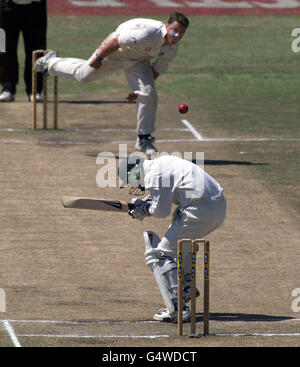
[(41, 64), (6, 96), (38, 97), (145, 145), (164, 315)]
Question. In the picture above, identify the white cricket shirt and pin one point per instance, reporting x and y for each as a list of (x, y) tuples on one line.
[(174, 180), (142, 38)]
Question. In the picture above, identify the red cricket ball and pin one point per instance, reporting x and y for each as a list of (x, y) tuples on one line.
[(183, 108)]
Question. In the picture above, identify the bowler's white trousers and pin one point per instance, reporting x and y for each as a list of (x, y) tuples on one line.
[(138, 72)]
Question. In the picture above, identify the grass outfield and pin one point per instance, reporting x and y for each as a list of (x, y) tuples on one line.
[(238, 73)]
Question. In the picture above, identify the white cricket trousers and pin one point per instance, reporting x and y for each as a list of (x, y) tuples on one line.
[(195, 221), (139, 76)]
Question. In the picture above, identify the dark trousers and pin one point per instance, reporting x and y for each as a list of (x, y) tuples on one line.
[(30, 21)]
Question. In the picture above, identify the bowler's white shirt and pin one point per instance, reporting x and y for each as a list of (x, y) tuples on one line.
[(142, 38)]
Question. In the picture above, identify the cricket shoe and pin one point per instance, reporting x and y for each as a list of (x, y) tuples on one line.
[(41, 64), (164, 315), (7, 96), (38, 97), (144, 144)]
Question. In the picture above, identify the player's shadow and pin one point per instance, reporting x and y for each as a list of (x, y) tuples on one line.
[(207, 162), (231, 317), (222, 162)]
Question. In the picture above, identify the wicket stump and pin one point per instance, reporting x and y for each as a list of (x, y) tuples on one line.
[(193, 245), (35, 55)]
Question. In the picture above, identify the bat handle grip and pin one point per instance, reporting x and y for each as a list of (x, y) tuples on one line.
[(130, 206)]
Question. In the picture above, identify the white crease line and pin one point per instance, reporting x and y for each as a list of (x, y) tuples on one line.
[(150, 336), (66, 322), (105, 322), (11, 333), (115, 142), (250, 139), (94, 336), (168, 141), (260, 334), (11, 130), (25, 142), (196, 134), (15, 141), (19, 141)]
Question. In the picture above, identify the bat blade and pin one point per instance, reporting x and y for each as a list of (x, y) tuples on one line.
[(95, 204)]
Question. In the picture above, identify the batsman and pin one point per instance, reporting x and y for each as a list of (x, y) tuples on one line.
[(200, 209)]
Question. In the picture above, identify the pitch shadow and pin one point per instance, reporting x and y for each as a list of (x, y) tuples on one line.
[(207, 162), (231, 317)]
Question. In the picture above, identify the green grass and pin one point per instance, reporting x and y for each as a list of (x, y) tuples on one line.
[(239, 75), (240, 56)]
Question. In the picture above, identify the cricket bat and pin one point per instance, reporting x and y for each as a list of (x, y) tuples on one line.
[(96, 204)]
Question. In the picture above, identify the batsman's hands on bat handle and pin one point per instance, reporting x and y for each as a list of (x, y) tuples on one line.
[(148, 199), (140, 202), (140, 209)]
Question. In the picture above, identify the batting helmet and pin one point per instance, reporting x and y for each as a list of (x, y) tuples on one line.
[(130, 171)]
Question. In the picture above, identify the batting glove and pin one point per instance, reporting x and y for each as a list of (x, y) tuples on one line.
[(138, 211)]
